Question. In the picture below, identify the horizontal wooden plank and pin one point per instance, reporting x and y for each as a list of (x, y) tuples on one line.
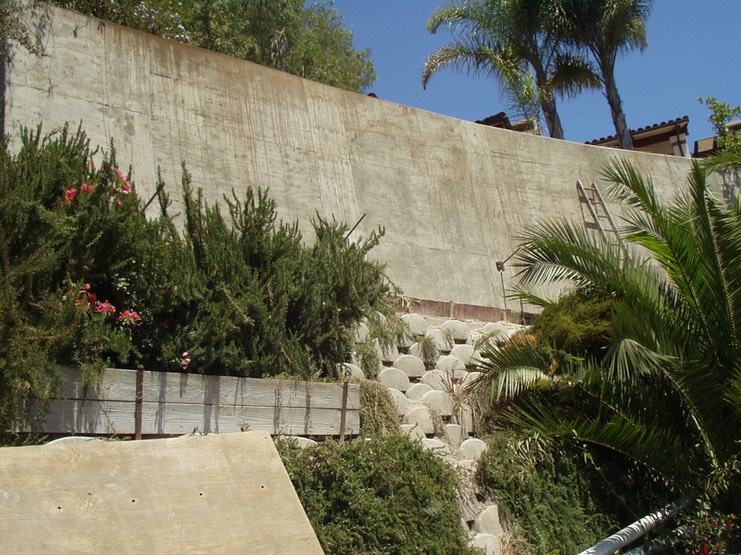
[(120, 385), (117, 417)]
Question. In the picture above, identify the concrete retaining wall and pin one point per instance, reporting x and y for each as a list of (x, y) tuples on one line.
[(451, 194), (205, 494)]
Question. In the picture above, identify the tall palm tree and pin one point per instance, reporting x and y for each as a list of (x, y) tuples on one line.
[(667, 389), (509, 39), (606, 28)]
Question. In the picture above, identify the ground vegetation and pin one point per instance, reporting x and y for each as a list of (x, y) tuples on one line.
[(378, 495), (553, 498)]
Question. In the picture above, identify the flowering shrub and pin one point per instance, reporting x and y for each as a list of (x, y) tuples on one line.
[(713, 533), (87, 279), (183, 361), (105, 308), (129, 318), (70, 195)]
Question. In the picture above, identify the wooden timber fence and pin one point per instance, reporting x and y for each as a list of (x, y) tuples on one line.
[(142, 403)]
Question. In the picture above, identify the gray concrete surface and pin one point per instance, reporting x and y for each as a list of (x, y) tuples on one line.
[(196, 494), (452, 195)]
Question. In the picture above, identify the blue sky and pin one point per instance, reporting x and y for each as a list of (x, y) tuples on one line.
[(694, 50)]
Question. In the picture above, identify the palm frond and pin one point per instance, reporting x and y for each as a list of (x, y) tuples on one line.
[(572, 75), (669, 382), (623, 23), (508, 368), (732, 394), (521, 94), (711, 274), (722, 161), (627, 185), (531, 295), (522, 30), (646, 445), (564, 251), (450, 15), (716, 421), (628, 359), (471, 56)]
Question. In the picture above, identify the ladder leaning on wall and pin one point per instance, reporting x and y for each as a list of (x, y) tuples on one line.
[(597, 213)]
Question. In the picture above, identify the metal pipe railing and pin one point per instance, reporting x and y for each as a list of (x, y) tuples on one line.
[(631, 533)]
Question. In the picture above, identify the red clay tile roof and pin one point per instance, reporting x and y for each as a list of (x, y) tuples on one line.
[(683, 119)]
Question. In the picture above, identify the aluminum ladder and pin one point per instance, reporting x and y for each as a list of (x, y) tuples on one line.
[(597, 213)]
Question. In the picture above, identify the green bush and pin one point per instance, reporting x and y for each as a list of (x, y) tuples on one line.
[(379, 495), (69, 233), (557, 498), (87, 280), (544, 495), (378, 414), (577, 326), (270, 304)]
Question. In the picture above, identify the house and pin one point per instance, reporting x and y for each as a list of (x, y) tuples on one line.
[(667, 137), (501, 121), (708, 146)]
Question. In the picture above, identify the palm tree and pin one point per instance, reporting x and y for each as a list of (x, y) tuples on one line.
[(606, 28), (666, 389), (508, 39)]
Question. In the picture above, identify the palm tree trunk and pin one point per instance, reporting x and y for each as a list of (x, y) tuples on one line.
[(548, 104), (552, 119), (616, 109)]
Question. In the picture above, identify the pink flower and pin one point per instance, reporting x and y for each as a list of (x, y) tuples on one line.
[(105, 308), (84, 296), (87, 188), (129, 317), (70, 195), (125, 185), (184, 361), (88, 299)]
